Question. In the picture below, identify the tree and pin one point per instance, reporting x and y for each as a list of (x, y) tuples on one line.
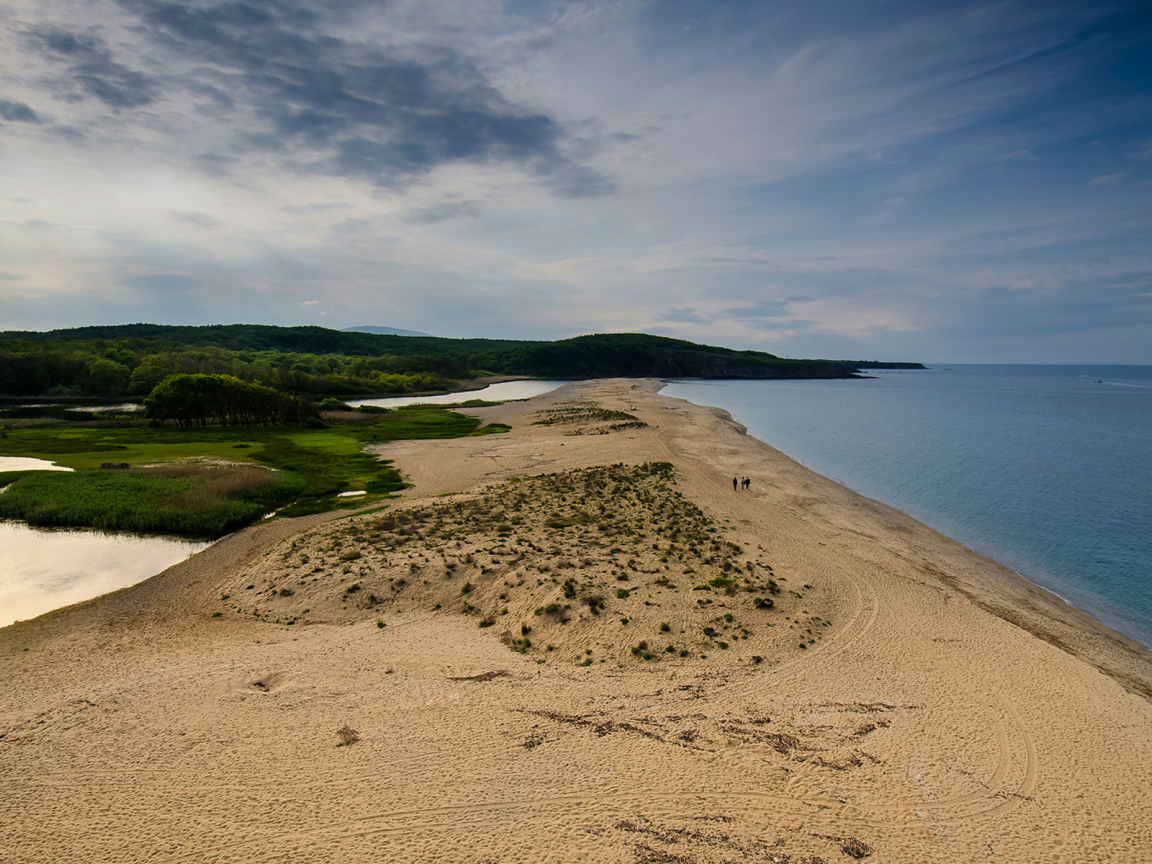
[(107, 377), (200, 400)]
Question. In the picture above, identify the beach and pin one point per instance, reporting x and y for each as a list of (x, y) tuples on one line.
[(578, 642)]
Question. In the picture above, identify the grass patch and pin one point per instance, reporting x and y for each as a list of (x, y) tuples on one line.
[(209, 500), (189, 500)]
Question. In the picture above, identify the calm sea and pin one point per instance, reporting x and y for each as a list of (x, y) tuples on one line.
[(1047, 469)]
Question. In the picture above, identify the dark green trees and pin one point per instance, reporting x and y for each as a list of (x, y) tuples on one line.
[(200, 400)]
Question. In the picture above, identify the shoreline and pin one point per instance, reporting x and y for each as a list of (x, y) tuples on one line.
[(556, 646), (1085, 615), (1026, 591), (1012, 577)]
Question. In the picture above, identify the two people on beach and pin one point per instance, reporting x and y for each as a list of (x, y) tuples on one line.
[(738, 484)]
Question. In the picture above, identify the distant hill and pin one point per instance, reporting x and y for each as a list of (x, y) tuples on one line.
[(384, 331), (130, 359)]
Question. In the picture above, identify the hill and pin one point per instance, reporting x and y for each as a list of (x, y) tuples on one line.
[(130, 359)]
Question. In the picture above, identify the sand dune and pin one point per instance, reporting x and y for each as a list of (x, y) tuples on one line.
[(576, 642)]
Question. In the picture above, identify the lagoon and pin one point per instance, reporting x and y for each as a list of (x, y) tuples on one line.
[(42, 570), (504, 391), (26, 463)]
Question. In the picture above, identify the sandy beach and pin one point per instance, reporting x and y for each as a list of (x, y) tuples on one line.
[(577, 642)]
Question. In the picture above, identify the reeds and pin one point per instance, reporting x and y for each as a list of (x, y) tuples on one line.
[(191, 500)]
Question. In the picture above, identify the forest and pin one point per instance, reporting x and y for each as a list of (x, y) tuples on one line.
[(129, 361)]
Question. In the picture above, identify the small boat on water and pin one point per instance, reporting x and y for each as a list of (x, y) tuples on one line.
[(1099, 380)]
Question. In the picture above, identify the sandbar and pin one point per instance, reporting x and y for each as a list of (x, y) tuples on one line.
[(577, 642)]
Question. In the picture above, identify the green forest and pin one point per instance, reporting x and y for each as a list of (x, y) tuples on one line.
[(129, 361)]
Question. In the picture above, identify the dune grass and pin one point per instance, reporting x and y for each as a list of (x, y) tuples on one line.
[(228, 486)]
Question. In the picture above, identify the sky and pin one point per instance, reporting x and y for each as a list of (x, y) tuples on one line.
[(949, 182)]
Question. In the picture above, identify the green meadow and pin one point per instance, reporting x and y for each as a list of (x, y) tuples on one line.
[(206, 482)]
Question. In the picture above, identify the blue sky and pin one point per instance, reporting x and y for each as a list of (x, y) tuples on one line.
[(937, 181)]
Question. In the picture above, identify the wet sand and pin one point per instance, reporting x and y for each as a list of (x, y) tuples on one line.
[(941, 708)]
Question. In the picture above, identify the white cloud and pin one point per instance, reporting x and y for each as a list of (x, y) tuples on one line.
[(1107, 179), (894, 172)]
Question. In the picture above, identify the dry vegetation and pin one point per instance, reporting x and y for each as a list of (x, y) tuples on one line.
[(608, 565), (588, 418), (215, 482)]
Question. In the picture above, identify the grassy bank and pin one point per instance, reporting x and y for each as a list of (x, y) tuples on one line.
[(190, 500), (207, 482)]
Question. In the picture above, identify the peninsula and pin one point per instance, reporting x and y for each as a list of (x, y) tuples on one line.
[(575, 641)]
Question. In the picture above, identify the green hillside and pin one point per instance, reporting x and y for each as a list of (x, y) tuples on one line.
[(129, 360)]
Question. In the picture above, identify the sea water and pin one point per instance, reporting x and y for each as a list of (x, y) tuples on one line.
[(1047, 469)]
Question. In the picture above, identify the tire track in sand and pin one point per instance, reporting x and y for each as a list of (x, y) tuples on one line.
[(562, 810)]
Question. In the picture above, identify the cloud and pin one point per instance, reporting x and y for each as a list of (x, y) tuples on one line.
[(444, 211), (319, 207), (1022, 153), (219, 164), (310, 94), (162, 282), (351, 226), (894, 181), (201, 219), (17, 112), (887, 210), (1107, 179), (762, 309), (92, 71), (682, 316)]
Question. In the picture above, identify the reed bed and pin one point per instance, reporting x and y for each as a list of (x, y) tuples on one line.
[(190, 500)]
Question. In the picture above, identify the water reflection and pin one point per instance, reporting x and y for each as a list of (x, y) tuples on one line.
[(502, 392), (104, 409), (58, 411), (44, 570), (26, 463)]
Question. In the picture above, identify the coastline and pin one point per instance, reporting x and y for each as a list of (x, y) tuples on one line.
[(1022, 594), (917, 443), (939, 706)]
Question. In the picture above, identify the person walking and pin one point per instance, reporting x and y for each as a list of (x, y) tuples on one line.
[(735, 487)]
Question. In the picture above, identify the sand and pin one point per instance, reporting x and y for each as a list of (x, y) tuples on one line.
[(940, 710)]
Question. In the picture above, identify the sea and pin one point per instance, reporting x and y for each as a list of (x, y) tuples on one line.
[(1046, 469)]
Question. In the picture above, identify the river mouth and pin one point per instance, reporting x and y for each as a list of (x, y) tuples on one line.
[(49, 569)]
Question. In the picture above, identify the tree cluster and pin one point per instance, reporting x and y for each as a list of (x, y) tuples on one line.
[(202, 400), (127, 368)]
